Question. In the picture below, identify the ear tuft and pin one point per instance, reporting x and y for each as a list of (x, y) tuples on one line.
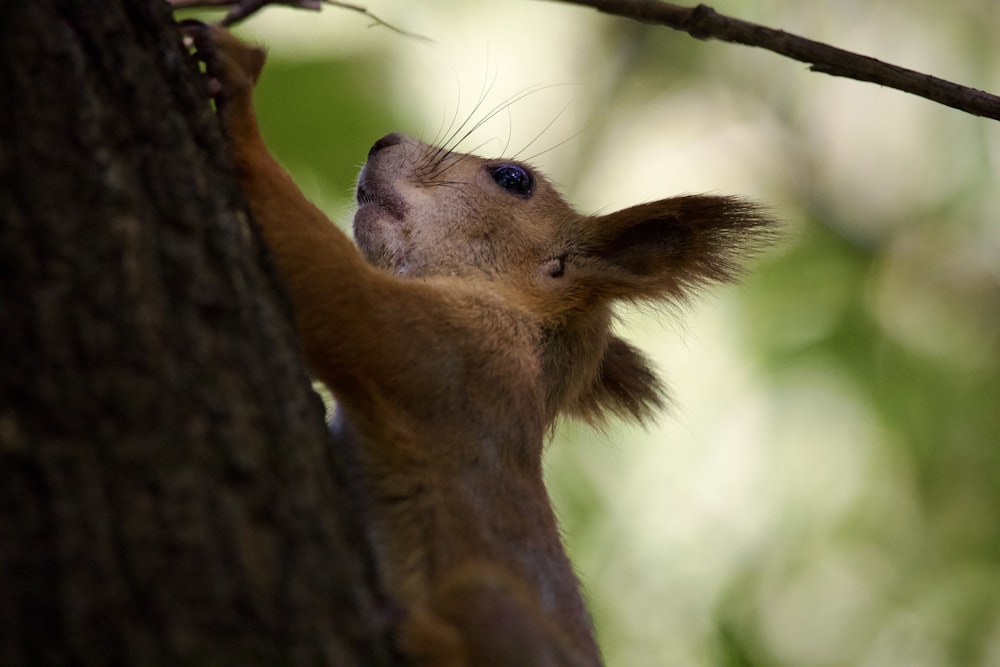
[(669, 248), (625, 386)]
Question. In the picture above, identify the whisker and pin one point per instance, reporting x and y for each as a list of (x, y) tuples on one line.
[(458, 157), (531, 158), (450, 142), (455, 157), (442, 130), (540, 133), (506, 104), (510, 132), (457, 185)]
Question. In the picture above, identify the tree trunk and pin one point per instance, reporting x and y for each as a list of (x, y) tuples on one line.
[(168, 492)]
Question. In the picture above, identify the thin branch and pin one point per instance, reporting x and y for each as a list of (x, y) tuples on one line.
[(376, 19), (242, 9), (703, 22)]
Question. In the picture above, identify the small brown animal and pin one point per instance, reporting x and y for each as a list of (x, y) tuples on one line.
[(477, 311)]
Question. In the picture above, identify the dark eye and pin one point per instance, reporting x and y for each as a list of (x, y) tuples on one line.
[(513, 178)]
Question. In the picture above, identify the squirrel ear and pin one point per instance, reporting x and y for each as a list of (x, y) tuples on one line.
[(668, 248)]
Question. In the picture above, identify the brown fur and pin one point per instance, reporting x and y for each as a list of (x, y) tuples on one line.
[(471, 319)]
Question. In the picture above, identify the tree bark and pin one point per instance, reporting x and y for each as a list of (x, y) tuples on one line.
[(168, 490)]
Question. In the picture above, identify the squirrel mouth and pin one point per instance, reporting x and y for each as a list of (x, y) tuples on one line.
[(369, 196)]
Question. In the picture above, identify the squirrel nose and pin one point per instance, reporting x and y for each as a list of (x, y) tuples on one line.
[(388, 140)]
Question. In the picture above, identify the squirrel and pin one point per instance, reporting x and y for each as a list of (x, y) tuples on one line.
[(473, 310)]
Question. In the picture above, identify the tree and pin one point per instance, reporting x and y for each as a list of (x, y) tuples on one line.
[(168, 489)]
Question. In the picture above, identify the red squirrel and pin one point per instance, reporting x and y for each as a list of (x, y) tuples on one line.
[(474, 309)]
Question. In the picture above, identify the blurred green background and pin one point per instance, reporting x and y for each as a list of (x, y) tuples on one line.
[(826, 490)]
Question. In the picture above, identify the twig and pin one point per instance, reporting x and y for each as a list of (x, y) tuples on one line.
[(376, 19), (703, 22), (241, 9)]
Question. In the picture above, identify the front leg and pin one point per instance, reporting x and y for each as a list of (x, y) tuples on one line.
[(366, 334), (328, 281)]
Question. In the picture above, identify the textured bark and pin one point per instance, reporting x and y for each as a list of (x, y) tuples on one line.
[(167, 490)]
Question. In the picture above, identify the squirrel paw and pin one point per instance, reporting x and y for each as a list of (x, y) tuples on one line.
[(233, 66)]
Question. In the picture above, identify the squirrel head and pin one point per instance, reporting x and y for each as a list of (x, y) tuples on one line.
[(427, 211)]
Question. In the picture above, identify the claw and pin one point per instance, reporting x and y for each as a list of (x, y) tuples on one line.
[(232, 67), (189, 29)]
